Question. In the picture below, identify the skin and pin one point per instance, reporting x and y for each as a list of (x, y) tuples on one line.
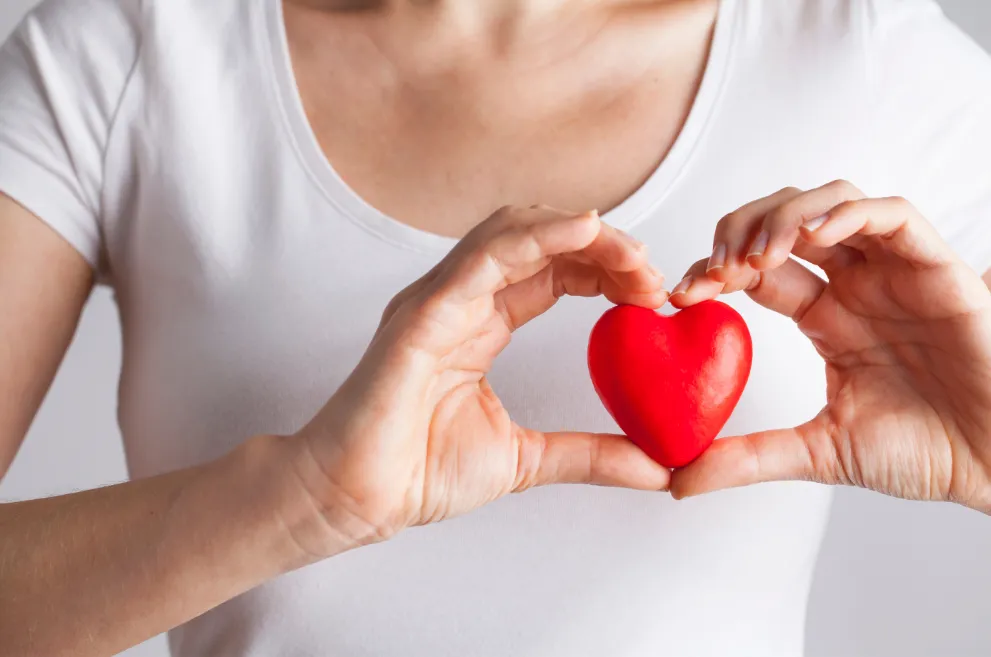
[(589, 80), (904, 329), (157, 552), (450, 116)]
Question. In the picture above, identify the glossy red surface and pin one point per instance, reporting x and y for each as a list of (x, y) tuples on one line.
[(671, 382)]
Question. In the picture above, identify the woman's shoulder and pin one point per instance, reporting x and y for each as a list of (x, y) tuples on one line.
[(79, 78), (78, 21), (860, 37), (80, 27), (75, 23), (91, 51)]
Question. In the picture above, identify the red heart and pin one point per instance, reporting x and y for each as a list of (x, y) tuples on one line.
[(671, 382)]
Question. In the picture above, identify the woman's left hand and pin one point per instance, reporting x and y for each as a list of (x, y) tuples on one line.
[(904, 327)]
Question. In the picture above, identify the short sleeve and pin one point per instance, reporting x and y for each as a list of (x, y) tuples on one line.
[(62, 74), (931, 96)]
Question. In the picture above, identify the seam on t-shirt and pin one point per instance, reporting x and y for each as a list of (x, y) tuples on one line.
[(141, 19), (729, 65), (263, 28)]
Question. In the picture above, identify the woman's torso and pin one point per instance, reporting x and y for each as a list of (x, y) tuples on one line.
[(250, 278)]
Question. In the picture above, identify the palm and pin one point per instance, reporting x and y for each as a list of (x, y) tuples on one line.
[(472, 453), (452, 447), (900, 345), (416, 434)]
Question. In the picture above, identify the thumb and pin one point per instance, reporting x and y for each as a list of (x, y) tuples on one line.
[(805, 453), (586, 458)]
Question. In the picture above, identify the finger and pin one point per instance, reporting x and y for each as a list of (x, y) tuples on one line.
[(778, 236), (624, 257), (734, 234), (509, 247), (696, 287), (805, 453), (521, 302), (617, 250), (586, 458), (404, 295), (788, 290), (830, 259), (890, 225)]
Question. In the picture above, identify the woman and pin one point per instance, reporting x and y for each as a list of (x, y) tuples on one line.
[(258, 180)]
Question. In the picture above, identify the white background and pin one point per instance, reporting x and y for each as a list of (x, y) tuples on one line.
[(894, 579)]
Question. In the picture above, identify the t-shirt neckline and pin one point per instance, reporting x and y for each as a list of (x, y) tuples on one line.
[(641, 204)]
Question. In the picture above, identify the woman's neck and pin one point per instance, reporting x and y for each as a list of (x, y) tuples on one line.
[(469, 11), (504, 28)]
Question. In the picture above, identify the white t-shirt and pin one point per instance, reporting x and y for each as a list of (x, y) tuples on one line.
[(165, 140)]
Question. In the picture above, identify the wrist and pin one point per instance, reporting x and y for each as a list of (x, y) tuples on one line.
[(314, 518), (263, 473)]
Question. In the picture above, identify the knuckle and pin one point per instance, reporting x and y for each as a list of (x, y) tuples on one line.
[(784, 214), (506, 214), (509, 214), (396, 303), (730, 222), (426, 310), (698, 268), (480, 264), (393, 306), (474, 253), (487, 255), (516, 237), (754, 452), (846, 208), (844, 187), (526, 245), (507, 220), (902, 204), (531, 448)]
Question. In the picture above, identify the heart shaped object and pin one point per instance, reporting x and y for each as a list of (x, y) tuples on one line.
[(671, 382)]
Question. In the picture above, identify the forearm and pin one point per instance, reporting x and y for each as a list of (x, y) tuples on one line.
[(95, 572)]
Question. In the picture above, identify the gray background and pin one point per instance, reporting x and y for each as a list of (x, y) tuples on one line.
[(895, 578)]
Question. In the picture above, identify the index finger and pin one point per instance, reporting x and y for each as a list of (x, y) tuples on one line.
[(624, 259), (511, 246), (892, 225)]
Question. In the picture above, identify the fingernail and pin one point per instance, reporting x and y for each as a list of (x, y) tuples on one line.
[(760, 244), (653, 271), (813, 224), (718, 258), (682, 287)]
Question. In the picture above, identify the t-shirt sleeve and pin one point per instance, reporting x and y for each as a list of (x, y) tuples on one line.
[(931, 101), (62, 75)]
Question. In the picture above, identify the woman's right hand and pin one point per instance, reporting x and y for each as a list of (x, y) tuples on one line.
[(416, 434)]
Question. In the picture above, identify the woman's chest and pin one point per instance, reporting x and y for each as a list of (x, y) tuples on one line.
[(227, 352), (446, 172), (441, 149), (247, 303)]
